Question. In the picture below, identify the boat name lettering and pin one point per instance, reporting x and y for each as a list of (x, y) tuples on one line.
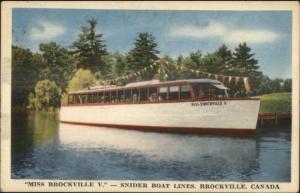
[(209, 103)]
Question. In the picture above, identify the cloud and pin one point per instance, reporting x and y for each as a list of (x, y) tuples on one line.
[(46, 31), (226, 34)]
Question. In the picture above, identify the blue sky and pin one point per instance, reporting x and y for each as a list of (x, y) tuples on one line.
[(268, 33)]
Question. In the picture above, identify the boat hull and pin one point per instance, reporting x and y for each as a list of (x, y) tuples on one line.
[(184, 117)]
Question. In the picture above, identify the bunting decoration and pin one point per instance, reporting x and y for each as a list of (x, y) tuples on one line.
[(181, 68), (223, 78), (237, 79), (247, 84), (216, 76)]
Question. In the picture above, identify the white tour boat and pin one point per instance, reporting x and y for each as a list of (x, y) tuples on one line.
[(185, 106)]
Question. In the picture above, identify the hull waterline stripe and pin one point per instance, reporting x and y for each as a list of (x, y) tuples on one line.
[(186, 130)]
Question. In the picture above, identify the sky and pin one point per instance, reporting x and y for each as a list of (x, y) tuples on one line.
[(267, 33)]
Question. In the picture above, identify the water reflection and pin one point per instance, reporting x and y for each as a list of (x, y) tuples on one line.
[(33, 129), (199, 153), (159, 146), (44, 149)]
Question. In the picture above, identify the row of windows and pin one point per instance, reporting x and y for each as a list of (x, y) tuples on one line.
[(133, 95), (150, 94)]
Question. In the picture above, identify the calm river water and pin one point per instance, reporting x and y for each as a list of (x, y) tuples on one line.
[(42, 148)]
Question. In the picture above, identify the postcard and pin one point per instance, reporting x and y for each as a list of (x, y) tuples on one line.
[(150, 96)]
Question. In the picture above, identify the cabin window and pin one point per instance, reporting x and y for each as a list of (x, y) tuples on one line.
[(144, 94), (135, 95), (98, 97), (70, 99), (185, 92), (153, 94), (93, 97), (174, 93), (106, 97), (121, 96), (77, 99), (163, 93), (80, 98), (128, 95), (199, 90), (113, 96), (89, 98), (84, 98)]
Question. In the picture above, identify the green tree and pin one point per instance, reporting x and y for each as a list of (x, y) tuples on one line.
[(226, 58), (287, 85), (276, 85), (213, 63), (265, 85), (89, 49), (244, 64), (46, 96), (25, 70), (193, 61), (119, 64), (244, 61), (81, 80), (143, 54), (59, 65)]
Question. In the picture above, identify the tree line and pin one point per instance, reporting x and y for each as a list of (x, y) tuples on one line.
[(41, 80)]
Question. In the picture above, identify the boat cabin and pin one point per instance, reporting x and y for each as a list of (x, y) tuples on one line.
[(151, 92)]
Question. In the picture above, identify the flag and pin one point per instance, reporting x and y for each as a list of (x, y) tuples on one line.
[(229, 78), (223, 78), (247, 84), (237, 78)]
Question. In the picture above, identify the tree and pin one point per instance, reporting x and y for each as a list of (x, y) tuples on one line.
[(287, 85), (59, 66), (265, 85), (25, 70), (226, 58), (119, 64), (244, 64), (276, 85), (244, 60), (213, 63), (143, 54), (90, 48), (46, 96), (81, 80)]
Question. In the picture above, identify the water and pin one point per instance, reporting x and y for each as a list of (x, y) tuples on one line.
[(43, 148)]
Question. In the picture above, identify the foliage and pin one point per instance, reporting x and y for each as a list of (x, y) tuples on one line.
[(46, 96), (59, 66), (143, 54), (225, 57), (89, 49), (82, 79), (276, 102), (25, 70), (244, 64), (287, 85)]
